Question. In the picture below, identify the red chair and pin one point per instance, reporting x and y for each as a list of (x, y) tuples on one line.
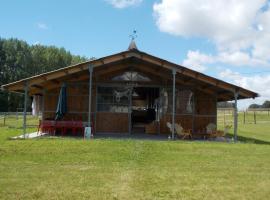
[(62, 125), (46, 126), (77, 125)]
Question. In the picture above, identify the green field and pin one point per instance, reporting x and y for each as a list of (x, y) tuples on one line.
[(135, 169)]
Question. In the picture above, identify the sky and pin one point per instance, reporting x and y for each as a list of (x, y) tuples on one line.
[(226, 39)]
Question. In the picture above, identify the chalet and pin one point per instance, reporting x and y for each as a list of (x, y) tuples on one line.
[(131, 92)]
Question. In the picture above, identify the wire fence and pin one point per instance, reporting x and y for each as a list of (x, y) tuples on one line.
[(225, 116), (15, 120)]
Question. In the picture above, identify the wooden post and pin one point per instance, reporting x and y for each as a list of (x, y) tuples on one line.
[(159, 95), (96, 107), (25, 108), (254, 116), (224, 123), (90, 69), (216, 110), (244, 117), (43, 104), (4, 119), (173, 106), (235, 116), (193, 113), (268, 111), (129, 111)]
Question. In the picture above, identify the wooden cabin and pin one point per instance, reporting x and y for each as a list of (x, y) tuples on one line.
[(132, 92)]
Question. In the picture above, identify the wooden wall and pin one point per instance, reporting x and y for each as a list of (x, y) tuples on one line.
[(77, 102), (205, 104), (112, 122), (205, 111)]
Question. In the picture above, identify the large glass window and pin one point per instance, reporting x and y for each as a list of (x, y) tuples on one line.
[(113, 99)]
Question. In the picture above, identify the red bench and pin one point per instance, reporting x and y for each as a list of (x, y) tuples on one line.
[(51, 126)]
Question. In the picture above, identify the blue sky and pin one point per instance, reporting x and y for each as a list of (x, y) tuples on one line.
[(92, 28), (225, 39)]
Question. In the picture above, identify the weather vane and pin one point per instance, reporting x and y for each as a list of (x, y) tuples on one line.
[(134, 35)]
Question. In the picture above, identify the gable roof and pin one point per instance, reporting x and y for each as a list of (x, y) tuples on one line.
[(209, 82)]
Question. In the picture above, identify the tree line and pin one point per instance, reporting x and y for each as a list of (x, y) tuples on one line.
[(265, 104), (20, 60)]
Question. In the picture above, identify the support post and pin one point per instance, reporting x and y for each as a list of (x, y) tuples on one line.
[(5, 119), (193, 112), (96, 107), (129, 111), (25, 108), (90, 68), (235, 116), (43, 104), (88, 130), (173, 106)]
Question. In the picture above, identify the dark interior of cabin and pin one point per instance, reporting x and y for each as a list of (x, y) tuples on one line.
[(143, 107)]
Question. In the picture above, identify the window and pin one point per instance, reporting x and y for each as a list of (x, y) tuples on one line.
[(130, 76), (184, 101), (112, 99)]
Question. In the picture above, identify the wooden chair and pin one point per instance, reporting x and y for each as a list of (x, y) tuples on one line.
[(151, 128), (169, 125), (211, 128), (213, 132), (181, 133)]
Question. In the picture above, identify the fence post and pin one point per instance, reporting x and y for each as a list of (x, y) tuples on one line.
[(224, 122), (268, 112), (4, 119), (255, 117), (244, 117)]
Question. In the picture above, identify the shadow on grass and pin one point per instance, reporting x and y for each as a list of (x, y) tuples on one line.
[(250, 140)]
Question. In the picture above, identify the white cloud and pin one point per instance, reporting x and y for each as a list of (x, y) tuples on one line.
[(256, 83), (234, 26), (42, 26), (229, 23), (236, 58), (195, 60), (124, 3)]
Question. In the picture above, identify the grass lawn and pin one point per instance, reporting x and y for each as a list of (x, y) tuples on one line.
[(136, 169)]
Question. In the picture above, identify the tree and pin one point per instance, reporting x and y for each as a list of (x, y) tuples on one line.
[(20, 60), (225, 104), (254, 105), (266, 104)]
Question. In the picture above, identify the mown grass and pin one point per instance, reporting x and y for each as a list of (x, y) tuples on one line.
[(135, 169), (249, 131)]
